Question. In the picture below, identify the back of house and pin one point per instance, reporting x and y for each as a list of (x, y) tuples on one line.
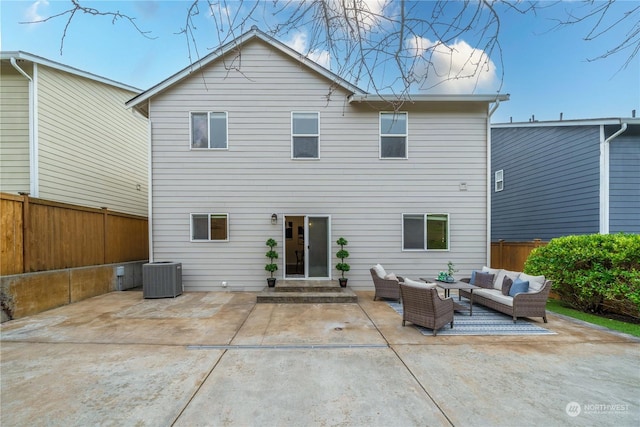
[(255, 141)]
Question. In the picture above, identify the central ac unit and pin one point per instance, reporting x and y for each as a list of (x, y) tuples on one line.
[(162, 279)]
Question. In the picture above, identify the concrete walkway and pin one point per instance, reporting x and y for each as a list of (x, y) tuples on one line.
[(220, 359)]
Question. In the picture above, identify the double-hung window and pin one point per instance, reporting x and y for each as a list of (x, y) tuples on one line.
[(393, 135), (209, 130), (499, 180), (422, 232), (305, 135), (207, 227)]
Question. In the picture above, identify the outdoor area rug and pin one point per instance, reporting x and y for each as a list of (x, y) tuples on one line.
[(483, 322)]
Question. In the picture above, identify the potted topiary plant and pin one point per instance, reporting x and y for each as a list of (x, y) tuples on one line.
[(271, 267), (342, 266)]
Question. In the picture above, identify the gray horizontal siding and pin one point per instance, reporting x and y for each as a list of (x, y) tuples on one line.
[(256, 177), (624, 183), (551, 182)]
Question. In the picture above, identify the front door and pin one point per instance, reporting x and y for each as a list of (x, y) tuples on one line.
[(307, 246)]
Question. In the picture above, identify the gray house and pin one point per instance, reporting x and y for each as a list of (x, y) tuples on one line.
[(255, 141), (559, 178)]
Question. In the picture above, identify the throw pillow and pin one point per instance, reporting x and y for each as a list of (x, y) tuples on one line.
[(519, 286), (391, 276), (472, 281), (506, 285), (484, 280)]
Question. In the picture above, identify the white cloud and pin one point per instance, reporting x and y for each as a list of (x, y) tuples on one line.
[(32, 14), (457, 68), (299, 44)]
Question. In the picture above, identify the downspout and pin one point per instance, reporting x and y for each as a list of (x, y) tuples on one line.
[(491, 111), (150, 187), (34, 187), (604, 175)]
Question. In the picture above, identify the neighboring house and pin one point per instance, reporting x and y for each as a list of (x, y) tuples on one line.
[(255, 141), (66, 135), (560, 178)]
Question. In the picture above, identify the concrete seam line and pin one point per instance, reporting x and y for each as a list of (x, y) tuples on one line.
[(285, 347)]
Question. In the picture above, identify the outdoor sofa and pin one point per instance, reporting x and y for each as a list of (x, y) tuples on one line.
[(502, 290)]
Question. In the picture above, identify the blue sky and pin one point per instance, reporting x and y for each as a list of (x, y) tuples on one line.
[(546, 71)]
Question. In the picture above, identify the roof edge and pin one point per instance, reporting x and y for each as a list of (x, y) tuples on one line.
[(418, 98), (26, 56), (254, 32), (573, 122)]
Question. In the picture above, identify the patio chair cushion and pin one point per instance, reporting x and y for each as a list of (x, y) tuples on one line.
[(519, 286), (535, 282), (391, 276), (379, 271), (417, 284), (513, 275), (484, 280)]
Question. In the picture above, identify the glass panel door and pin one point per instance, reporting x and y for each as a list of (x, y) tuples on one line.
[(318, 247)]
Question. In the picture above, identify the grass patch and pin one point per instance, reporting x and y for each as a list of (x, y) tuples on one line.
[(616, 325)]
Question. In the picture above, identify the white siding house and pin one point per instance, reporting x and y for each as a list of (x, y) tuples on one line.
[(255, 142), (66, 135)]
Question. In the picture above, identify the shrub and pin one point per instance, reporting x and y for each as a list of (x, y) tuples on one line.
[(595, 273)]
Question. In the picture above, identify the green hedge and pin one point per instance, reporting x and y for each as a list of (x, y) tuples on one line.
[(595, 273)]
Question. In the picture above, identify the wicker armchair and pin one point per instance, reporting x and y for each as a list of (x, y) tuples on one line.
[(385, 288), (423, 306)]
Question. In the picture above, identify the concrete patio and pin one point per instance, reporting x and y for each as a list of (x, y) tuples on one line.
[(220, 359)]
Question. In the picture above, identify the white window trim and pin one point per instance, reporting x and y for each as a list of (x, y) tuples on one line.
[(406, 135), (424, 237), (208, 240), (500, 174), (305, 134), (208, 113)]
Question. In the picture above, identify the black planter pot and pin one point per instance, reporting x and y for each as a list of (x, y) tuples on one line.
[(271, 281), (343, 282)]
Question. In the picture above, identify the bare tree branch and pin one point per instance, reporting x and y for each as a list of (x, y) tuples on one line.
[(407, 45), (77, 7)]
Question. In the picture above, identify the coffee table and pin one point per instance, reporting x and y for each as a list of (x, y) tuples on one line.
[(447, 286)]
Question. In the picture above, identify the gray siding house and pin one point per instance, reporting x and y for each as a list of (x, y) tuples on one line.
[(560, 178), (255, 141)]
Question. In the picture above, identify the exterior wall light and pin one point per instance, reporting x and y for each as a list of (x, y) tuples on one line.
[(274, 219)]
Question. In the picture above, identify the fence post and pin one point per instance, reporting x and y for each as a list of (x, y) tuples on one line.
[(537, 243), (26, 261), (500, 253), (105, 220)]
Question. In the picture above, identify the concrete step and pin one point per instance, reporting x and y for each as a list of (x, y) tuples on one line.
[(307, 292)]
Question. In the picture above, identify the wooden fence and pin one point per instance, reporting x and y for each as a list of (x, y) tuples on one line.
[(40, 235), (512, 255)]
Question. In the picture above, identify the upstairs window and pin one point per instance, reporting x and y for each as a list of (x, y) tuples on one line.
[(209, 130), (305, 135), (206, 227), (499, 180), (425, 232), (393, 135)]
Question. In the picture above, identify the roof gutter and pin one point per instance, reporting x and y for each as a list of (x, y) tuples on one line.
[(34, 189), (604, 175)]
